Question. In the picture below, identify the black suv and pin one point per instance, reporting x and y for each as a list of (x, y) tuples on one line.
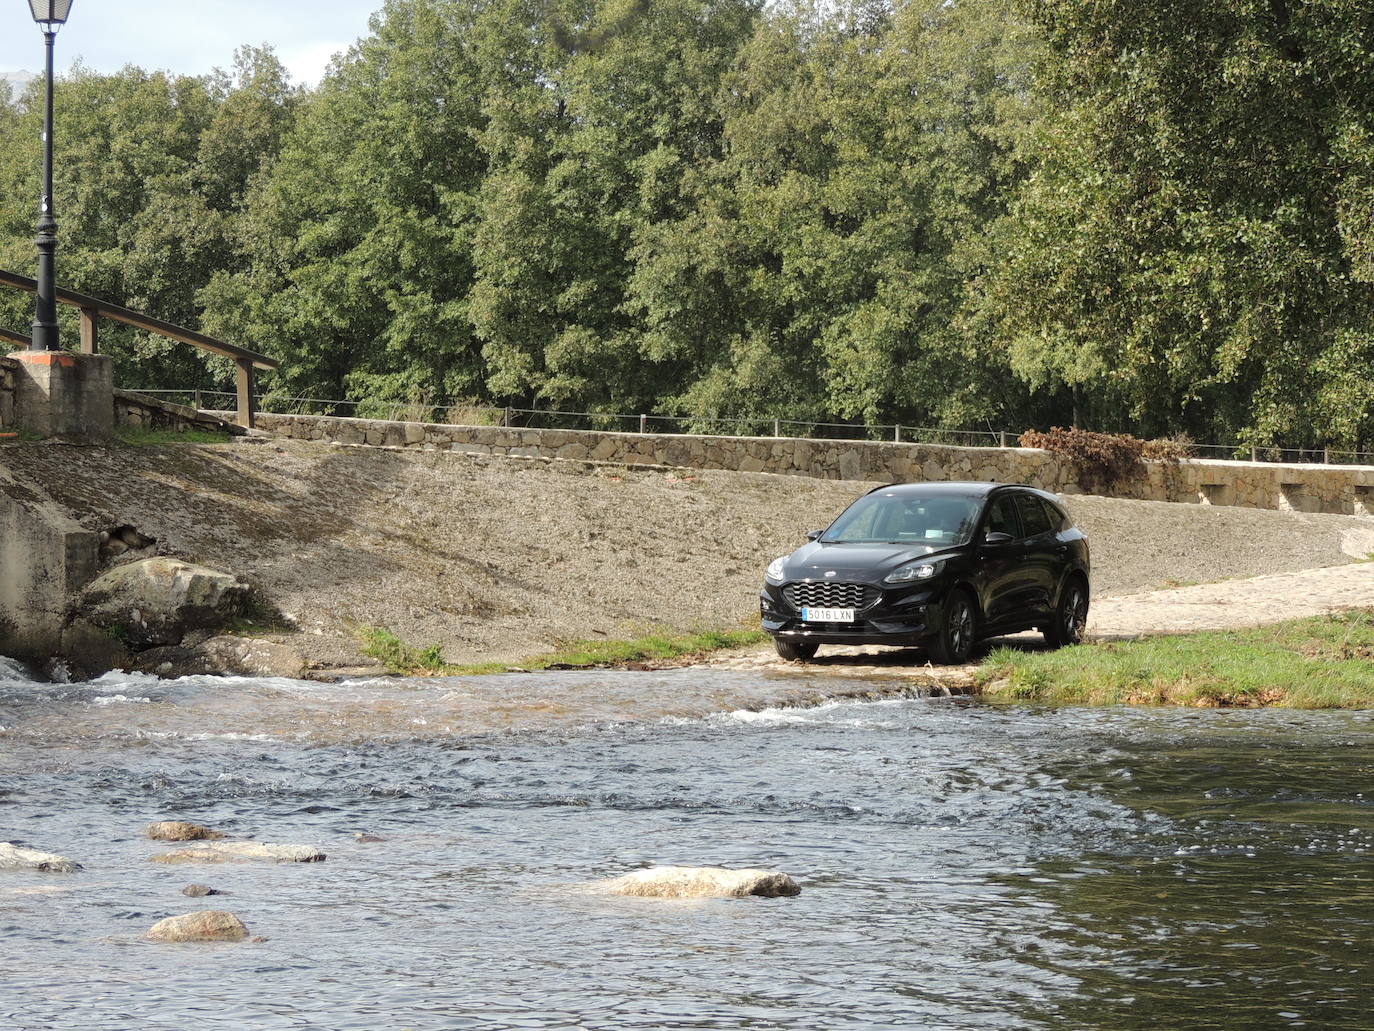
[(933, 564)]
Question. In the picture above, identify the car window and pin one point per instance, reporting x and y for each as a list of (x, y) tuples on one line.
[(1034, 518), (898, 517), (1002, 516), (1060, 519)]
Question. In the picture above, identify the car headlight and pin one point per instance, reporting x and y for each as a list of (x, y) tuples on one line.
[(912, 571), (774, 574)]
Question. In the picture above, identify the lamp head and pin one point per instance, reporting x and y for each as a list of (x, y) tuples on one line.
[(51, 14)]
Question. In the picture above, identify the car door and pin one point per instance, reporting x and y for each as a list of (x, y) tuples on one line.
[(1041, 555), (1001, 564)]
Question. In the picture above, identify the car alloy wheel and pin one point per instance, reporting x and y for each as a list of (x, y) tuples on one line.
[(1071, 619), (958, 631)]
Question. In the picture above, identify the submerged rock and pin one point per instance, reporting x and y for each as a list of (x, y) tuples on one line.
[(222, 656), (199, 891), (211, 925), (365, 838), (686, 882), (177, 830), (156, 601), (15, 857), (243, 851)]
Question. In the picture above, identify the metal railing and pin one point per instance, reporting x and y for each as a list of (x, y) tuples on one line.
[(93, 309), (754, 426)]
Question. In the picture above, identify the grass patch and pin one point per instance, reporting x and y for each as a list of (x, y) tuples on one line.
[(1325, 662), (399, 657), (139, 436)]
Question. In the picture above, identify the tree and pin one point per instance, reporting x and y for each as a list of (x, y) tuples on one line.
[(359, 241), (1191, 251), (146, 196)]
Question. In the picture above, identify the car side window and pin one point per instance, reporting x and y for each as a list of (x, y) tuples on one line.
[(1002, 517), (1033, 515)]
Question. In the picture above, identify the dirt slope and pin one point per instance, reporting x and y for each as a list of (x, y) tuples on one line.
[(501, 558)]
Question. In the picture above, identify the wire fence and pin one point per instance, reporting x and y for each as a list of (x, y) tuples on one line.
[(750, 426)]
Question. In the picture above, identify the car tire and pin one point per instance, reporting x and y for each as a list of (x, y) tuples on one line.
[(1070, 616), (795, 651), (958, 631)]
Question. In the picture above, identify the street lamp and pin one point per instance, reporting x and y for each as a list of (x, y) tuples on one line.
[(51, 15)]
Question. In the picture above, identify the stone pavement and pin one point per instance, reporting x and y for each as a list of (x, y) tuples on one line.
[(1233, 603), (1227, 605)]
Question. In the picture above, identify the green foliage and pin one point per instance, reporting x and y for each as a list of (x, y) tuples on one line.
[(401, 658), (1318, 663), (1191, 250), (151, 172), (1131, 217), (138, 436), (384, 646)]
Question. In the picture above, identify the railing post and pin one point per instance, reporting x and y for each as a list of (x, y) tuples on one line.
[(643, 424), (1002, 438), (897, 434), (246, 411), (196, 400), (90, 336), (777, 428), (1326, 456)]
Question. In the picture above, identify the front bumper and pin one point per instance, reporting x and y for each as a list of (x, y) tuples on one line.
[(900, 616)]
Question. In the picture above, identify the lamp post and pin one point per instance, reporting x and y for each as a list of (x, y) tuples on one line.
[(51, 15)]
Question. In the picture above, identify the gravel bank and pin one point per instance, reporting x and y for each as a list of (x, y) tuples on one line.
[(496, 558)]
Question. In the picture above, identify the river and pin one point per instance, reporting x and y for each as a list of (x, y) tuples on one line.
[(963, 865)]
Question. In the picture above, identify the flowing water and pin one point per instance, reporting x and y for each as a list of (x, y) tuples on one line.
[(963, 865)]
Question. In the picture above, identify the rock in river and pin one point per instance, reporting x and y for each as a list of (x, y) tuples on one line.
[(242, 851), (211, 925), (199, 891), (158, 600), (13, 857), (177, 830), (685, 882)]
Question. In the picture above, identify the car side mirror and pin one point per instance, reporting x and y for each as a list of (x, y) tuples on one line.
[(997, 537), (814, 535)]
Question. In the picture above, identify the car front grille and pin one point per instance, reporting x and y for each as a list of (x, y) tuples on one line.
[(831, 595)]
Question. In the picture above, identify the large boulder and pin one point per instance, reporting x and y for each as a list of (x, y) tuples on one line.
[(242, 851), (211, 925), (14, 857), (156, 601), (688, 882)]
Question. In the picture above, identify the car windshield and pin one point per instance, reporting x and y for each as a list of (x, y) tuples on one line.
[(898, 517)]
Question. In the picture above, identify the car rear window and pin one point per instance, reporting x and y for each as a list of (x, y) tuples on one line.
[(1034, 518)]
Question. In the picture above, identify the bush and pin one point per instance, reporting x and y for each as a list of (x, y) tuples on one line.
[(1105, 459)]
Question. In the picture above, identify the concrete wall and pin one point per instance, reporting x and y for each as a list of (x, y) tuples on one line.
[(9, 369), (1306, 488), (44, 557)]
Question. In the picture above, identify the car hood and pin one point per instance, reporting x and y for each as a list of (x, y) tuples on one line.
[(861, 562)]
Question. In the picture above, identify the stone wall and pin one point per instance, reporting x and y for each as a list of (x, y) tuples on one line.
[(9, 369), (1303, 488), (141, 411)]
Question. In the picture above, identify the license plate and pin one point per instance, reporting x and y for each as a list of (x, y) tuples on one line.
[(810, 615)]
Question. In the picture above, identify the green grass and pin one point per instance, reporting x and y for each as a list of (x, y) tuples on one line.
[(1326, 662), (137, 436), (399, 657)]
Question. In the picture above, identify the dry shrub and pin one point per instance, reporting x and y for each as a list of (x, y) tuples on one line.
[(1105, 459)]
